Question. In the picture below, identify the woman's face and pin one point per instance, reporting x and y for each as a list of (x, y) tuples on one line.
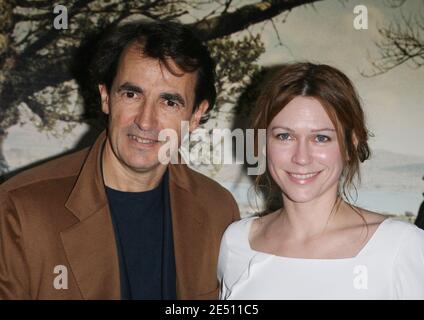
[(303, 154)]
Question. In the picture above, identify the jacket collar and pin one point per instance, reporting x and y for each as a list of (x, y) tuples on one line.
[(88, 194)]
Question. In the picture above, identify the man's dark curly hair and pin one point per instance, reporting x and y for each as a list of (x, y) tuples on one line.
[(159, 40)]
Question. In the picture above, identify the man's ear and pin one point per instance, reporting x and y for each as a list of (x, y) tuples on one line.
[(104, 96), (197, 115)]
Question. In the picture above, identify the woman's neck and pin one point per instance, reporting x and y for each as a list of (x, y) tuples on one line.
[(310, 219)]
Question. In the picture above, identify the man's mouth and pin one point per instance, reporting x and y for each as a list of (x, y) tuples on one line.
[(142, 140)]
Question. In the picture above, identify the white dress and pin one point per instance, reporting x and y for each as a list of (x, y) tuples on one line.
[(390, 266)]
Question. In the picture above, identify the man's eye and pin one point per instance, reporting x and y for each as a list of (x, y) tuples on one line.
[(171, 103), (129, 94), (283, 136), (321, 138)]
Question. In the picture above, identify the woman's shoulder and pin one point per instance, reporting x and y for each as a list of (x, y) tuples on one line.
[(396, 232), (236, 235), (240, 227), (409, 233), (372, 217), (390, 224), (390, 233), (399, 246), (399, 228)]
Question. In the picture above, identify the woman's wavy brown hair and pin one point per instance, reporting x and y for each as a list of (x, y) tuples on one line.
[(335, 92)]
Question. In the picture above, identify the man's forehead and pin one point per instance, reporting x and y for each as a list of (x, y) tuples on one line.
[(133, 52)]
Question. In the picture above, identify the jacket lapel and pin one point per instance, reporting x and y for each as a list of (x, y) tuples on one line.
[(190, 232), (90, 244)]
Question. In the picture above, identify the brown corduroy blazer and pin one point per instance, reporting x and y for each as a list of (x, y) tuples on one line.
[(57, 214)]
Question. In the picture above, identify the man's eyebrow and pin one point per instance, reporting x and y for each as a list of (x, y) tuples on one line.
[(173, 97), (127, 86)]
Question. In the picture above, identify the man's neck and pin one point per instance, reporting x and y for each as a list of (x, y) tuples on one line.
[(118, 176)]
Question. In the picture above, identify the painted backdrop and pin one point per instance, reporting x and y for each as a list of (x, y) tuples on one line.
[(47, 106)]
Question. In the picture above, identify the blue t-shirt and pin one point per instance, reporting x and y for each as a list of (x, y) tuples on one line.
[(143, 229)]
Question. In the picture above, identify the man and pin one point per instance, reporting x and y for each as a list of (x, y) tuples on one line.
[(113, 221)]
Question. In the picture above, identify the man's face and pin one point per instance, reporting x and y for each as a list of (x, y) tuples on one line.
[(144, 99)]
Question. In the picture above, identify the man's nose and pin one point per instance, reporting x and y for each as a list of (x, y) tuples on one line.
[(302, 154), (146, 116)]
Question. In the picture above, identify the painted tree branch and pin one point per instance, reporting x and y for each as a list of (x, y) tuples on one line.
[(240, 19)]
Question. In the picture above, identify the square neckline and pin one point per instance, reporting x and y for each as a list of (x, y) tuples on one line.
[(360, 253)]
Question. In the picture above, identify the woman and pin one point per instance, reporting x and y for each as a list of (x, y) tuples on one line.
[(317, 245)]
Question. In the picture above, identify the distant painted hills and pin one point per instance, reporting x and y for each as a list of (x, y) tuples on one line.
[(393, 172)]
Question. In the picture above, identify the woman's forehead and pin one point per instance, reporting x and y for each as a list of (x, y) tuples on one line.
[(303, 111)]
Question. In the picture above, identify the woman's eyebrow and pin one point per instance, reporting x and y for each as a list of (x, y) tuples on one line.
[(282, 127), (323, 129)]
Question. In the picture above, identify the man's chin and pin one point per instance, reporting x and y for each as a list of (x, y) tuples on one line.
[(142, 167)]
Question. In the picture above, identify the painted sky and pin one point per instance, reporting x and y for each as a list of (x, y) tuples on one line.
[(393, 102)]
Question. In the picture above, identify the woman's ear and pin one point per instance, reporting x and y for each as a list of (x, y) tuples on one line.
[(355, 140), (355, 144)]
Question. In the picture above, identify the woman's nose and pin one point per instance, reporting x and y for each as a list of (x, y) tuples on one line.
[(302, 154)]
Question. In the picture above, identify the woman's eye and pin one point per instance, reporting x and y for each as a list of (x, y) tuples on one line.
[(283, 136), (321, 138)]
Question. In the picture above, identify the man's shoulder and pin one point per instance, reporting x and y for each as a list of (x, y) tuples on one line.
[(63, 167)]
